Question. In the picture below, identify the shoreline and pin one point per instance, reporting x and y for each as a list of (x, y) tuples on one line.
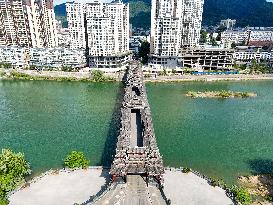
[(117, 77), (209, 78)]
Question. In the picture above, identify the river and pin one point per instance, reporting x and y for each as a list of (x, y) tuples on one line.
[(220, 138)]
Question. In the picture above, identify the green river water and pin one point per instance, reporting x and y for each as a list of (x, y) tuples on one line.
[(219, 138)]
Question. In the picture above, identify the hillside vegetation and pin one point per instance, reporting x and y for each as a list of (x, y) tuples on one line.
[(246, 12)]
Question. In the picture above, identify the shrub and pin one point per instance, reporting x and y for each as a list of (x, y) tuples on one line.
[(13, 169), (242, 195), (186, 170), (224, 94), (192, 94), (98, 76), (245, 95), (4, 201), (269, 198), (76, 160), (217, 182)]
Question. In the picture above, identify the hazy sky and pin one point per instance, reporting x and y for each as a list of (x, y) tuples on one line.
[(56, 2)]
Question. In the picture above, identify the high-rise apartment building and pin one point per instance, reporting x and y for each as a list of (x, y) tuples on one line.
[(76, 24), (175, 24), (28, 23), (101, 28)]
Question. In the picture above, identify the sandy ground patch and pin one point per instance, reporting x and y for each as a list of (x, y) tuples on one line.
[(62, 189), (189, 189)]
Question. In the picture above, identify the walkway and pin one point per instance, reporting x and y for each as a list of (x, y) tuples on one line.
[(189, 189), (64, 188), (134, 192)]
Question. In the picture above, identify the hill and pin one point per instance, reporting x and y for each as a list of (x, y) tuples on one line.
[(246, 12)]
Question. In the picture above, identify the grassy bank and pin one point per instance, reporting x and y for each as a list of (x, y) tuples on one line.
[(24, 76), (220, 94)]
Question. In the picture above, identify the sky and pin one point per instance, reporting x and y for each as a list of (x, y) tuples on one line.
[(56, 2)]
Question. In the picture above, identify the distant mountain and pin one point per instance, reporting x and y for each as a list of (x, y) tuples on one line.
[(246, 12), (60, 10)]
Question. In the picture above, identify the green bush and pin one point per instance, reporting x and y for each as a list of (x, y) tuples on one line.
[(225, 94), (13, 169), (76, 160), (192, 94), (242, 195), (98, 76), (186, 170), (4, 201)]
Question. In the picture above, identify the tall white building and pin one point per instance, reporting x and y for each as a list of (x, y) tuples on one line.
[(28, 23), (101, 28), (76, 24), (175, 24)]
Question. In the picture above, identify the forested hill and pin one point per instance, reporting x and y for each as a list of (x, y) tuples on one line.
[(246, 12)]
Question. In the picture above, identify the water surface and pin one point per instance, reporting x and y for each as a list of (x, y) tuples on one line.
[(220, 138)]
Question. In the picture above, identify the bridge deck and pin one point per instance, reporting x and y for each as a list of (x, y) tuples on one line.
[(134, 192)]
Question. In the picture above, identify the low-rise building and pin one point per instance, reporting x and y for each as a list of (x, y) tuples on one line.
[(17, 57), (261, 35), (237, 37), (245, 54), (197, 59), (228, 23), (57, 57), (207, 58), (135, 43)]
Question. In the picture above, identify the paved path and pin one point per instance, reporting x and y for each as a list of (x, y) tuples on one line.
[(189, 189), (62, 189), (134, 192)]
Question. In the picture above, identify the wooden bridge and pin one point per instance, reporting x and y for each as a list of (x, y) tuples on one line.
[(137, 168), (137, 151)]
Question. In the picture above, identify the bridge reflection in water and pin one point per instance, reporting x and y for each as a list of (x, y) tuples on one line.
[(137, 168)]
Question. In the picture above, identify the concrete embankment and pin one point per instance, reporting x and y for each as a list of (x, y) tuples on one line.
[(80, 186), (234, 77)]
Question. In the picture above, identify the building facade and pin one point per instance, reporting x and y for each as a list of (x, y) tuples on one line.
[(29, 23), (237, 37), (175, 24), (228, 23), (17, 57), (44, 58), (260, 35), (103, 30), (245, 54)]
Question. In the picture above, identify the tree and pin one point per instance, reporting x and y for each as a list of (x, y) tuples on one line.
[(13, 169), (203, 36), (254, 66), (233, 45), (144, 51), (76, 160), (213, 42)]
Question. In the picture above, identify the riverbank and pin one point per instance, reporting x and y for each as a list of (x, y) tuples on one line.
[(79, 186), (86, 76), (209, 78), (83, 76), (260, 186)]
